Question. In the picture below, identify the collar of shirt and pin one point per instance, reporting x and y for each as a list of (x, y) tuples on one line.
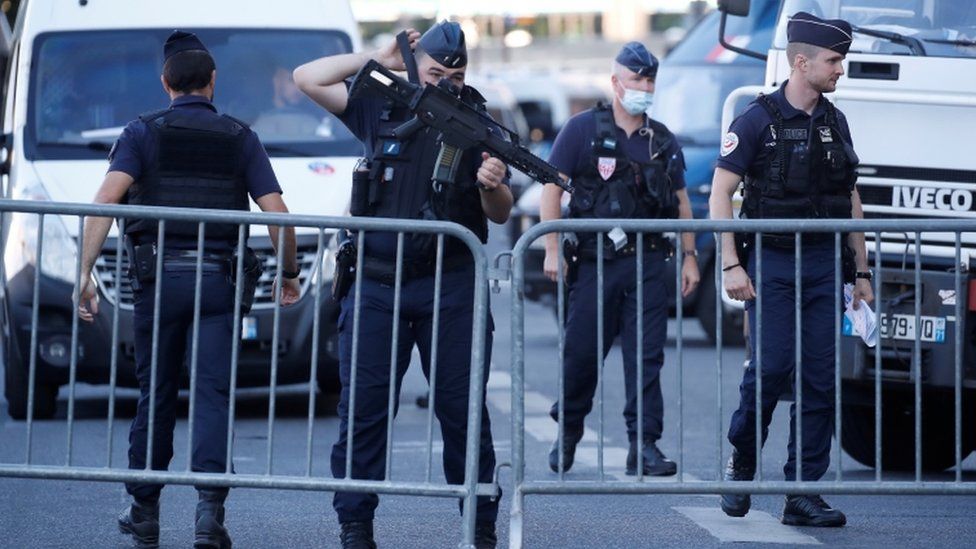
[(195, 101), (788, 110)]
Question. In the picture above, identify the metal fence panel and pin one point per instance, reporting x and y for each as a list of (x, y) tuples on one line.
[(559, 484), (468, 491)]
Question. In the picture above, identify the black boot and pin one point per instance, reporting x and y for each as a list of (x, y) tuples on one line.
[(141, 521), (655, 463), (571, 437), (811, 511), (357, 535), (484, 536), (209, 532), (739, 468)]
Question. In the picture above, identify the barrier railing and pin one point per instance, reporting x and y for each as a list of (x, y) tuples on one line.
[(854, 373), (33, 222)]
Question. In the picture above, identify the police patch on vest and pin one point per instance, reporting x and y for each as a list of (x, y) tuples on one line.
[(729, 143), (825, 135), (795, 134), (606, 166)]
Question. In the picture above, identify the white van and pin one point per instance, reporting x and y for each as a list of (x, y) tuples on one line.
[(79, 71)]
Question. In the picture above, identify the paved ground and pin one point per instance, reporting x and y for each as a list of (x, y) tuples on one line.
[(82, 514)]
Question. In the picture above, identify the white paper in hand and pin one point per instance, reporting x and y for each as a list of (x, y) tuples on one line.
[(863, 320)]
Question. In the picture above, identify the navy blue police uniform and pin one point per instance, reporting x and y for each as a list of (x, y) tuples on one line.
[(401, 185), (795, 166), (187, 155), (616, 175)]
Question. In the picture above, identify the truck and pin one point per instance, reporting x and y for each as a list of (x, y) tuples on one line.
[(77, 73), (909, 94)]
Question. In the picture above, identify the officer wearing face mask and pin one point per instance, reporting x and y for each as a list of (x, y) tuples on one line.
[(624, 165), (794, 151), (402, 173)]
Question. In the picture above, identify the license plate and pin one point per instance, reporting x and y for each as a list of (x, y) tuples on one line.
[(897, 326), (902, 327), (249, 327)]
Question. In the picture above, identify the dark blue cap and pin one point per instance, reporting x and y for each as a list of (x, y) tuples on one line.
[(182, 41), (444, 43), (635, 57), (833, 34)]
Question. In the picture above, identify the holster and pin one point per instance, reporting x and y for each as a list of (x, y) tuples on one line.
[(848, 266), (345, 271), (744, 243), (250, 275), (571, 255)]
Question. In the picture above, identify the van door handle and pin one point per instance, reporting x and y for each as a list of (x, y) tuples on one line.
[(873, 71)]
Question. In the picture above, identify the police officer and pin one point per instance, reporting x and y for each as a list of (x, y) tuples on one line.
[(402, 171), (794, 150), (623, 164), (185, 156)]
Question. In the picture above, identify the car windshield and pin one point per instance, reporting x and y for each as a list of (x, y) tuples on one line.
[(689, 99), (944, 28), (86, 86)]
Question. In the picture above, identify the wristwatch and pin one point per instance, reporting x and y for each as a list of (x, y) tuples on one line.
[(866, 275), (290, 274), (689, 253)]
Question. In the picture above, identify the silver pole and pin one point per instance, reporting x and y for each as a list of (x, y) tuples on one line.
[(195, 345), (394, 347)]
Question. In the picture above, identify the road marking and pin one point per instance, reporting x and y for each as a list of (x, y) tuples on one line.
[(756, 527), (544, 429)]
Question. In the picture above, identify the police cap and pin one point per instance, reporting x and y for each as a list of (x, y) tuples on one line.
[(635, 57), (833, 34), (182, 41), (444, 43)]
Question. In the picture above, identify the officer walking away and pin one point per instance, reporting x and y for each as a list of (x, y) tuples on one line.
[(623, 164), (794, 150), (401, 172), (184, 156)]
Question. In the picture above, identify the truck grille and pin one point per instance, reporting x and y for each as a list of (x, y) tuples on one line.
[(106, 263), (891, 192)]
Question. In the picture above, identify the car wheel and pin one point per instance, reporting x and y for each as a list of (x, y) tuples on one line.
[(16, 380)]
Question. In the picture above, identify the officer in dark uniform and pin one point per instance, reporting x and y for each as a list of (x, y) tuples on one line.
[(184, 156), (403, 170), (794, 150), (623, 164)]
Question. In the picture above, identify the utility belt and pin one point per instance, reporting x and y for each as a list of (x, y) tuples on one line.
[(384, 270), (652, 242), (143, 261)]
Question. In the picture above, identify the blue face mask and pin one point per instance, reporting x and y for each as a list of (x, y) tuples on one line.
[(636, 102)]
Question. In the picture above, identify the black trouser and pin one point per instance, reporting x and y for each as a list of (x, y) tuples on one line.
[(619, 318), (209, 445)]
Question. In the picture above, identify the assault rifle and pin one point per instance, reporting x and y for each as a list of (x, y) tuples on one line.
[(461, 125)]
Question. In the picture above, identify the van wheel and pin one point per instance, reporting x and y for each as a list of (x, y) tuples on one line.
[(898, 432), (732, 320), (16, 378)]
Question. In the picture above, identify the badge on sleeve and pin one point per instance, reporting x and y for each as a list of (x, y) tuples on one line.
[(606, 166), (729, 143)]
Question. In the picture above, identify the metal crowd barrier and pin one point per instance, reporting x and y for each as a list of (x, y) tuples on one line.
[(112, 472), (548, 483)]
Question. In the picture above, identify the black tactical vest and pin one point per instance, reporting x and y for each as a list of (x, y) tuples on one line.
[(630, 190), (806, 176), (400, 181), (198, 164)]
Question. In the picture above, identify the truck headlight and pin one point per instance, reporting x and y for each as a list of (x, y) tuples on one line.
[(59, 255)]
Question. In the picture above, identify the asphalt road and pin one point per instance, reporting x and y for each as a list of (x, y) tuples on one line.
[(82, 514)]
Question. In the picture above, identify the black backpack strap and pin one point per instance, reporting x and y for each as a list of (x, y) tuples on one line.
[(237, 121), (606, 129), (148, 117), (779, 160)]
